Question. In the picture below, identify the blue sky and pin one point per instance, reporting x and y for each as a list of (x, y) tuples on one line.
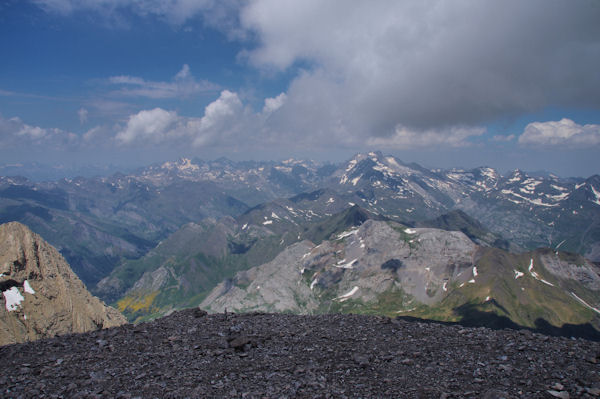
[(507, 84)]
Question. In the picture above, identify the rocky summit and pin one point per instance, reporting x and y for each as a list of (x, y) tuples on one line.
[(41, 296), (195, 355)]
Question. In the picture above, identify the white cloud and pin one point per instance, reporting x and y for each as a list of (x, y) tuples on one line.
[(154, 125), (223, 118), (183, 85), (274, 103), (33, 132), (404, 138), (439, 69), (83, 115), (426, 65), (561, 133), (16, 133)]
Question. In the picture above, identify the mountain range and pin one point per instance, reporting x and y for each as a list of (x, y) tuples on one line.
[(165, 236)]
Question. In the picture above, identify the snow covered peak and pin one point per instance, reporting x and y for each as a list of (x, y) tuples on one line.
[(515, 176), (182, 165)]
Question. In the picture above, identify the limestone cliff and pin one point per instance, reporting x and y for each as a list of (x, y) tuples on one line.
[(41, 296)]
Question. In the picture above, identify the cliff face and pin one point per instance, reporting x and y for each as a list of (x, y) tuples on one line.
[(41, 296)]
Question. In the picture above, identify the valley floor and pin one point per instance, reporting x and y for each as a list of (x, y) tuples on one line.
[(191, 354)]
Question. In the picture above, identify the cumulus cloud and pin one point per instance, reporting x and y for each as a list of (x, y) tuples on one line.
[(561, 133), (274, 103), (154, 125), (223, 118), (182, 85), (16, 133)]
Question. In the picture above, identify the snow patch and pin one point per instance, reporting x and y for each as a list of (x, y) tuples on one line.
[(347, 295), (474, 271), (585, 303), (472, 281), (27, 287), (536, 276), (268, 222), (355, 180), (13, 298), (597, 194), (410, 231), (274, 215), (351, 165), (348, 265), (347, 234), (245, 226), (487, 298), (518, 274), (312, 285), (445, 286), (558, 197), (330, 201)]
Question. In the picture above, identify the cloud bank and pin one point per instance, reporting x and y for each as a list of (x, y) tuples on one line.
[(403, 74)]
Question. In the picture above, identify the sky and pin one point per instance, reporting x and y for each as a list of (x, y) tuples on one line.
[(464, 83)]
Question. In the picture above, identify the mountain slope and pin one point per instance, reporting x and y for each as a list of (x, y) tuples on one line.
[(386, 268), (185, 267), (42, 297)]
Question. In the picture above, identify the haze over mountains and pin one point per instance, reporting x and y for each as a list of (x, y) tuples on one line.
[(165, 236)]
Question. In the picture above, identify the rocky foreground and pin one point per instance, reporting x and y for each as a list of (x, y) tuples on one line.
[(192, 354)]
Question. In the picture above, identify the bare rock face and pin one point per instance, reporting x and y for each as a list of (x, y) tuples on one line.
[(360, 264), (41, 296)]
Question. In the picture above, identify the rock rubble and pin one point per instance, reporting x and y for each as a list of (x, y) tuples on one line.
[(193, 354)]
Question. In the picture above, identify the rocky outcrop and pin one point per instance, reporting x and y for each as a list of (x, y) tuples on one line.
[(41, 296)]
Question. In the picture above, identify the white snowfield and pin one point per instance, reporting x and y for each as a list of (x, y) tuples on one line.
[(12, 299), (410, 231), (28, 288)]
